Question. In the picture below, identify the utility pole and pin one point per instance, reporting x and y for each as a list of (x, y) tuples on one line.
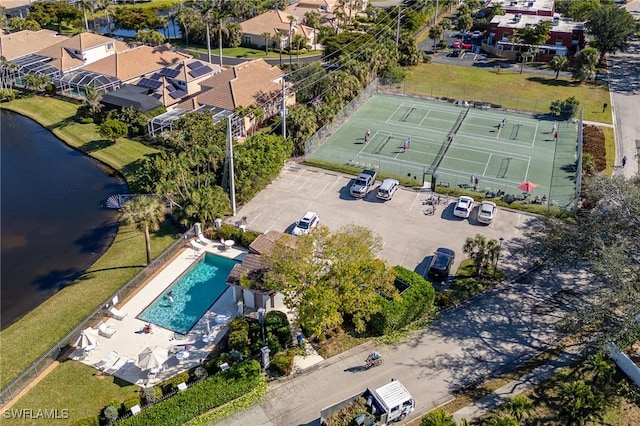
[(435, 19), (284, 108), (232, 184)]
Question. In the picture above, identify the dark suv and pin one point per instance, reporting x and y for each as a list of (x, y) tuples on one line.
[(440, 264)]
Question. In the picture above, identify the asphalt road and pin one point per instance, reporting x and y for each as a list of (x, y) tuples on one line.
[(492, 332), (624, 86)]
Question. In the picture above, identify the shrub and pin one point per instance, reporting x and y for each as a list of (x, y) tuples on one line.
[(130, 402), (150, 395), (200, 398), (282, 362), (86, 120), (88, 421), (248, 237), (171, 384), (277, 324), (410, 306), (110, 414), (239, 335)]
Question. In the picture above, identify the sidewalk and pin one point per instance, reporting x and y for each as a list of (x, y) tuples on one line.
[(516, 387)]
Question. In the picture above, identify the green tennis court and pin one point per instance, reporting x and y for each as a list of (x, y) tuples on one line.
[(412, 138)]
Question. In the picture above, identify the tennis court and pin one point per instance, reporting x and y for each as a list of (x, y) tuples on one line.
[(412, 138)]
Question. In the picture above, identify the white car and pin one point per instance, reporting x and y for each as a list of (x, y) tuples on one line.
[(309, 221), (463, 207), (487, 212)]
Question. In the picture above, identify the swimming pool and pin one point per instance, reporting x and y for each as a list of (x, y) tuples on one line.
[(185, 301)]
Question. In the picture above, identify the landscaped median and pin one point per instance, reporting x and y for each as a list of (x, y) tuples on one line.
[(29, 338)]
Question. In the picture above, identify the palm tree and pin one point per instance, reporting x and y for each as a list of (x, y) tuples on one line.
[(105, 7), (601, 367), (146, 213), (186, 17), (579, 404), (92, 99), (87, 5), (207, 8), (266, 36), (36, 82), (497, 420), (438, 417), (435, 33), (483, 253), (558, 63), (520, 407), (301, 42), (220, 21)]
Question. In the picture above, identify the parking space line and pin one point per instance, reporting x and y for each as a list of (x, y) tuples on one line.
[(418, 194), (319, 193)]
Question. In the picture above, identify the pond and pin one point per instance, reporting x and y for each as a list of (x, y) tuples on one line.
[(54, 223)]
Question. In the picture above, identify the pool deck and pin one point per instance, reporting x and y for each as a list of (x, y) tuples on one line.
[(130, 340)]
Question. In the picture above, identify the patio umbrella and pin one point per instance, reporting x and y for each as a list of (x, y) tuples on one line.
[(527, 186), (153, 357), (87, 339)]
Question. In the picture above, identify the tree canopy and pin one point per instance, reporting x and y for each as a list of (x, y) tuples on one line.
[(604, 237), (611, 28), (331, 279)]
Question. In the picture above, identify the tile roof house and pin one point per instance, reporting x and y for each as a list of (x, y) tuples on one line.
[(137, 61), (249, 83), (252, 82), (277, 24), (21, 43)]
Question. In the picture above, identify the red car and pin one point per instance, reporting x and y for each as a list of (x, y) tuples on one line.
[(461, 45)]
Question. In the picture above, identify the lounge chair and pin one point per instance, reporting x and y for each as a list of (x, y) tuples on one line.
[(113, 368), (116, 313), (104, 362), (204, 240), (199, 248), (106, 330)]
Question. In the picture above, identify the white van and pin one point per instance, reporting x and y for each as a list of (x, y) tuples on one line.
[(387, 189)]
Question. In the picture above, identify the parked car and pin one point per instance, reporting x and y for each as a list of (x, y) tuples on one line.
[(387, 189), (309, 221), (363, 182), (476, 34), (440, 264), (463, 207), (487, 212), (455, 53), (458, 44)]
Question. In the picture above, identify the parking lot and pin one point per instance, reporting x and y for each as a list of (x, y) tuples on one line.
[(409, 235)]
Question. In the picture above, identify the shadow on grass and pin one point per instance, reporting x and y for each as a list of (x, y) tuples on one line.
[(97, 145), (131, 172), (550, 81)]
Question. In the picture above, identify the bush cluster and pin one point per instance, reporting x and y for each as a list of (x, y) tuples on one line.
[(230, 232), (282, 362), (412, 304)]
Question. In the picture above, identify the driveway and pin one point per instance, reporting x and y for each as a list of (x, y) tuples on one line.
[(410, 237)]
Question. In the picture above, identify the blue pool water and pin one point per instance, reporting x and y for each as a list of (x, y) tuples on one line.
[(193, 293)]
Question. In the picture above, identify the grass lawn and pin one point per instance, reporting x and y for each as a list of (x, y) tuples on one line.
[(25, 341), (245, 52), (527, 92), (77, 388)]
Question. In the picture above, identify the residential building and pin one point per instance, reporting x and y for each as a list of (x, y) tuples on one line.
[(252, 83), (280, 26)]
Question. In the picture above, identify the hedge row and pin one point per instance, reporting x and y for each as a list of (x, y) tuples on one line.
[(413, 304), (202, 397)]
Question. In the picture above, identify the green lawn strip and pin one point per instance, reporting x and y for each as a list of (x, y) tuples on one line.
[(58, 116), (75, 387), (610, 147), (24, 342), (525, 92)]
